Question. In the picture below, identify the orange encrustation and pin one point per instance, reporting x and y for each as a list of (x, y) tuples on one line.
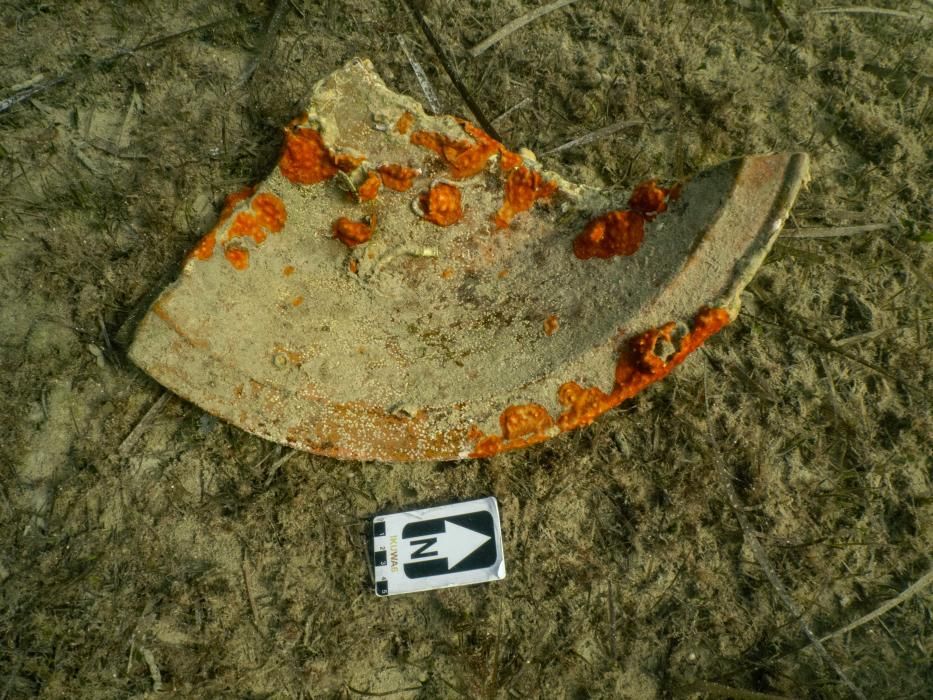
[(441, 204), (288, 270), (237, 256), (509, 160), (611, 234), (621, 232), (523, 188), (306, 160), (404, 122), (463, 158), (370, 188), (353, 233), (648, 199), (246, 225), (233, 199), (397, 177), (551, 324), (205, 247), (638, 367), (266, 215), (525, 419), (270, 211)]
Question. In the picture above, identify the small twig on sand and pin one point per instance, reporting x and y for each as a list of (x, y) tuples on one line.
[(276, 465), (452, 72), (718, 690), (905, 595), (518, 105), (130, 440), (832, 231), (384, 694), (244, 566), (762, 557), (266, 43), (154, 672), (26, 93), (422, 78), (865, 10), (593, 136), (517, 24)]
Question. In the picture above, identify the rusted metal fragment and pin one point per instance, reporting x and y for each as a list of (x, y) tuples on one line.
[(436, 336)]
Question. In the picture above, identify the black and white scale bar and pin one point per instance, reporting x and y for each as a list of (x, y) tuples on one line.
[(452, 545)]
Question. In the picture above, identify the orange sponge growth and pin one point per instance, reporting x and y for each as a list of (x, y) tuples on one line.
[(352, 233), (638, 366), (246, 225), (397, 177), (649, 200), (306, 160), (370, 188), (205, 247), (524, 419), (237, 256), (522, 189), (622, 232), (464, 158), (442, 204), (613, 233)]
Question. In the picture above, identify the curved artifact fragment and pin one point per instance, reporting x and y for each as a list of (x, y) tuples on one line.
[(404, 287)]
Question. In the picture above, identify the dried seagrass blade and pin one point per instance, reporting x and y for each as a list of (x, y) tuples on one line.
[(402, 287)]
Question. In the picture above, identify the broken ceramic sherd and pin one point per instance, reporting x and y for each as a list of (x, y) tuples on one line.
[(403, 287)]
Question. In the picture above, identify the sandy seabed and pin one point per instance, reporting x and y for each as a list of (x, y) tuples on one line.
[(145, 546)]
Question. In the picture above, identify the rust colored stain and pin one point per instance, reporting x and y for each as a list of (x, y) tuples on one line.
[(613, 233), (404, 122), (523, 188), (370, 188), (159, 310), (638, 367), (447, 273), (354, 266), (237, 256), (288, 270), (352, 233), (297, 301), (551, 325), (391, 436), (397, 177), (441, 204)]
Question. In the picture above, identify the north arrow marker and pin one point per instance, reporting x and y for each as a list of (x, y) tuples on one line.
[(456, 543)]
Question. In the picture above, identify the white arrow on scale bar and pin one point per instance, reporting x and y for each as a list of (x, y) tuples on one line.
[(456, 543)]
